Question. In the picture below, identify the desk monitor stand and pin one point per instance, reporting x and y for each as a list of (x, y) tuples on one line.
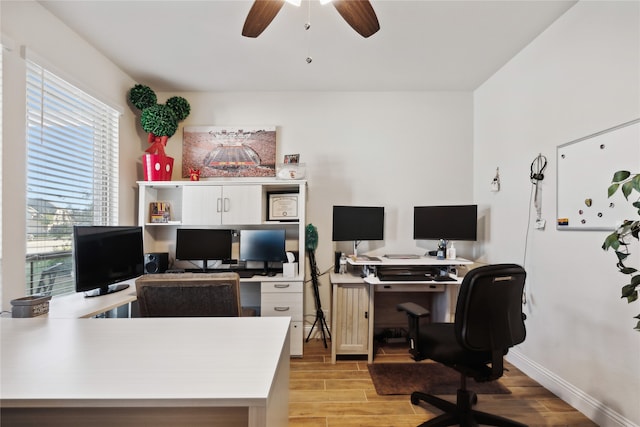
[(106, 290)]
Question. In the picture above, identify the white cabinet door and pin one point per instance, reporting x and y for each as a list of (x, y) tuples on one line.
[(351, 325), (202, 205), (242, 204), (221, 205)]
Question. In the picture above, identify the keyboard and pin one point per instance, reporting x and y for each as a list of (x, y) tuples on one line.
[(446, 278), (405, 274), (245, 274), (404, 277)]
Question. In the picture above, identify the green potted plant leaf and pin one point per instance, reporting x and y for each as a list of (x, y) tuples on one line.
[(160, 122), (619, 239)]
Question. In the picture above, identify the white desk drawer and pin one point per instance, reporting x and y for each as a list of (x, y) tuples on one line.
[(281, 287), (282, 304), (421, 287)]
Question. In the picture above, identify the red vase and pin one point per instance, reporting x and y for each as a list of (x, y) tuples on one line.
[(157, 167)]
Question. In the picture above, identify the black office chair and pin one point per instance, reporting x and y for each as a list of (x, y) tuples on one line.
[(488, 321)]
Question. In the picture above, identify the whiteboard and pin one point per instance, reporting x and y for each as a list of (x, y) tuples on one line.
[(585, 170)]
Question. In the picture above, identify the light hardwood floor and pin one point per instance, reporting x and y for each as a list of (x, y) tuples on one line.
[(342, 395)]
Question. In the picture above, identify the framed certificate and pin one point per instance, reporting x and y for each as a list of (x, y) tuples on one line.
[(283, 207)]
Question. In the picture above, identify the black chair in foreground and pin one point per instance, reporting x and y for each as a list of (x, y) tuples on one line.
[(488, 321)]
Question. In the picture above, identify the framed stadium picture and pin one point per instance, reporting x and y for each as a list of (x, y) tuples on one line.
[(229, 151)]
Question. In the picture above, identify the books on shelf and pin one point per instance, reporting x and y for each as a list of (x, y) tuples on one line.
[(160, 212)]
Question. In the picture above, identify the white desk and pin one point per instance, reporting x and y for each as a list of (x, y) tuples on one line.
[(276, 296), (355, 306), (155, 371), (76, 306)]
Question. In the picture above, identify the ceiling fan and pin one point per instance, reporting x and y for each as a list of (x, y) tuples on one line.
[(359, 14)]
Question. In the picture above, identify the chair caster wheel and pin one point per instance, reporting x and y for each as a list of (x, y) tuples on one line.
[(473, 398)]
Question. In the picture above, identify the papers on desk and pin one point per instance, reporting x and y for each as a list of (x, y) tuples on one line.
[(402, 256), (366, 258)]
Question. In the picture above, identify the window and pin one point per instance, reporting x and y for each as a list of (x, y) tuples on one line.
[(72, 174)]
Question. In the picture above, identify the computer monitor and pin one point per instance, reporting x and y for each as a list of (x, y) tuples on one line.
[(454, 222), (201, 244), (103, 256), (357, 223), (266, 245)]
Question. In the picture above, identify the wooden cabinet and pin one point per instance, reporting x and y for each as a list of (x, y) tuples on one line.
[(350, 315), (237, 205)]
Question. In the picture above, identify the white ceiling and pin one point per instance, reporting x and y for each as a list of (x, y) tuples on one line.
[(180, 46)]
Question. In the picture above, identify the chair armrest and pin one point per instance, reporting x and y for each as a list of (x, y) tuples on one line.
[(414, 310)]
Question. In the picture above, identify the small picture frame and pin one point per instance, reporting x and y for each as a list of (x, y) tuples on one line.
[(283, 206), (291, 158)]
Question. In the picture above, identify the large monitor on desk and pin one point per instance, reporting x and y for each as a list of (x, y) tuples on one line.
[(103, 256), (357, 223), (203, 245), (453, 222)]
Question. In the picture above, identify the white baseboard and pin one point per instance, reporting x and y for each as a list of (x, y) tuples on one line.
[(596, 411)]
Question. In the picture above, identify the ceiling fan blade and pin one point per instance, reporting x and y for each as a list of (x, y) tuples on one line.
[(359, 14), (260, 16)]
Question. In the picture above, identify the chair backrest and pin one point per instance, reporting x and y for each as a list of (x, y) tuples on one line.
[(48, 279), (489, 309), (189, 295)]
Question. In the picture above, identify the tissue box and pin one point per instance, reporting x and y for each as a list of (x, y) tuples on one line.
[(289, 269)]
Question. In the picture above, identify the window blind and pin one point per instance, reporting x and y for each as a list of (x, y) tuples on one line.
[(72, 174)]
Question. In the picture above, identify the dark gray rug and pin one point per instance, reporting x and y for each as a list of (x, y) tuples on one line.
[(432, 378)]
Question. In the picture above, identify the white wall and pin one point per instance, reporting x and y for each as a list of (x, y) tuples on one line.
[(579, 77), (395, 150), (27, 24)]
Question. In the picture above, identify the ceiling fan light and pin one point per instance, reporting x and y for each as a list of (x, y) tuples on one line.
[(294, 2)]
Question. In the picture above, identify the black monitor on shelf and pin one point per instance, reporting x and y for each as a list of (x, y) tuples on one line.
[(453, 222), (104, 256), (357, 223), (265, 245), (196, 244)]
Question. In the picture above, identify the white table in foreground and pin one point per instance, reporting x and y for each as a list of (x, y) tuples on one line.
[(148, 371)]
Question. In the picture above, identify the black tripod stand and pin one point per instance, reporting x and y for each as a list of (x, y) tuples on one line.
[(320, 320)]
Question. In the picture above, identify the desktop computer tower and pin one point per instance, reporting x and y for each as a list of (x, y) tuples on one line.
[(156, 262)]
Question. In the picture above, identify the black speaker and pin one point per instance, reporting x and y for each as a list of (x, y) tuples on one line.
[(156, 262), (336, 262)]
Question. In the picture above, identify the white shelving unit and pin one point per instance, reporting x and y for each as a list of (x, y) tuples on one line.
[(235, 204)]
